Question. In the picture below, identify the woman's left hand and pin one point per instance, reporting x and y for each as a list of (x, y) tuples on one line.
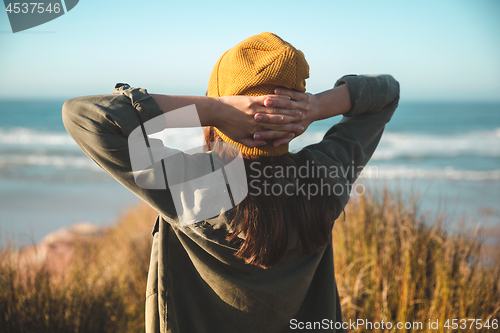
[(237, 119), (306, 103)]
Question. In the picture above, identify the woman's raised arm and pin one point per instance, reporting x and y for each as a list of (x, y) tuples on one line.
[(234, 115), (327, 104), (367, 103)]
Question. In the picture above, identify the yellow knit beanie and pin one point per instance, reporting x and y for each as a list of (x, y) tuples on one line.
[(256, 67)]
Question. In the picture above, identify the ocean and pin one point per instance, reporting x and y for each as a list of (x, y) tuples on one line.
[(448, 152)]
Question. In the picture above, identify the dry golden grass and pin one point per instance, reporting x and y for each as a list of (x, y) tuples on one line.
[(391, 264), (395, 265), (103, 289)]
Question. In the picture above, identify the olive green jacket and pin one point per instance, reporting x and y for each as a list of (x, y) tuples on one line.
[(195, 282)]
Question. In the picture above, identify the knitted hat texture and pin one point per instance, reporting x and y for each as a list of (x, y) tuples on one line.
[(256, 67)]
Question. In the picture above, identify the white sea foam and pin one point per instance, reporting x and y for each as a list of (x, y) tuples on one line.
[(407, 172), (413, 145), (178, 138), (26, 136), (393, 145), (59, 162), (419, 145)]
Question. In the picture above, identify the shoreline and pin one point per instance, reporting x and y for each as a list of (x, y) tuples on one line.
[(31, 211), (54, 251)]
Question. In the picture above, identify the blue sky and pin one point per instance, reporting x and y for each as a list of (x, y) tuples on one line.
[(438, 50)]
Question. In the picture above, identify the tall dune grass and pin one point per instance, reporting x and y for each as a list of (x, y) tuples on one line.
[(102, 290), (392, 264), (395, 265)]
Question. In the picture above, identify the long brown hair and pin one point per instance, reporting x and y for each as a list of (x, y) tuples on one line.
[(266, 225)]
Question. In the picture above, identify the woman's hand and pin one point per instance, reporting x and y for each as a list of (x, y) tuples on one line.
[(324, 105), (253, 120), (235, 116), (306, 103)]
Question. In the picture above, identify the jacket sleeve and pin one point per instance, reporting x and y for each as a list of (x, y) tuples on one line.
[(101, 126), (349, 145)]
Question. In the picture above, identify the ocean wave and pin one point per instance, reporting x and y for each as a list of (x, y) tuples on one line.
[(414, 145), (27, 136), (380, 172), (178, 138), (393, 145), (58, 162), (448, 173)]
